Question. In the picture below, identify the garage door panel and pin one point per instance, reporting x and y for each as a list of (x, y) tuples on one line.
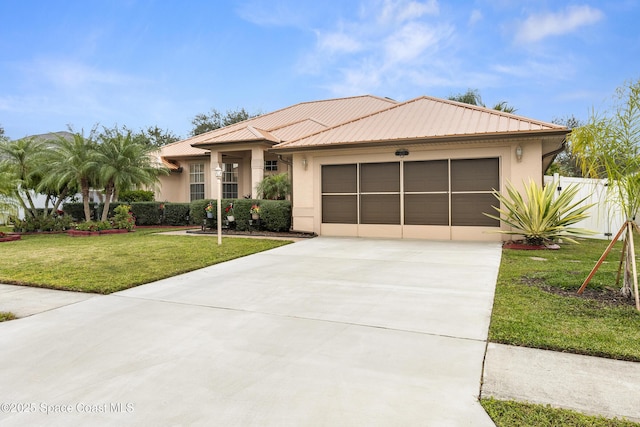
[(475, 174), (380, 177), (340, 178), (467, 209), (426, 176), (426, 209), (340, 209), (380, 209)]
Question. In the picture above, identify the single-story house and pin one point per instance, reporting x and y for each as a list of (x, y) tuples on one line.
[(371, 166)]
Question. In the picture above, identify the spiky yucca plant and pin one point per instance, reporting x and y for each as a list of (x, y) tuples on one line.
[(541, 217)]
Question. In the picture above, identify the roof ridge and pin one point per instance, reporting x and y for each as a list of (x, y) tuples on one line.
[(396, 105), (493, 111), (427, 98), (235, 126)]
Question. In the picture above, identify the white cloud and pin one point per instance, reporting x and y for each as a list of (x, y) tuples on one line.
[(540, 26), (73, 74), (387, 42), (412, 40), (398, 11), (476, 16), (338, 42), (546, 69)]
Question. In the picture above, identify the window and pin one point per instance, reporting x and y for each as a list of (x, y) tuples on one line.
[(230, 181), (196, 181), (271, 165)]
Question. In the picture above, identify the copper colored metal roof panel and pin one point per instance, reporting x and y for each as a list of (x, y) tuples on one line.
[(421, 118)]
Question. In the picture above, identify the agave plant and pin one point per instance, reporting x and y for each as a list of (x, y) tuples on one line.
[(541, 217)]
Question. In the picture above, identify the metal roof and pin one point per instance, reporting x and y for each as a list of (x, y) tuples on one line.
[(363, 120), (421, 118), (282, 125)]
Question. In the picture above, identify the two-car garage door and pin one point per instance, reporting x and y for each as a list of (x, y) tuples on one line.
[(448, 192)]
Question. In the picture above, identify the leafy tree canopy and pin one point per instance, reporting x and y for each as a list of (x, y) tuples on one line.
[(472, 96), (215, 120), (156, 137), (566, 163)]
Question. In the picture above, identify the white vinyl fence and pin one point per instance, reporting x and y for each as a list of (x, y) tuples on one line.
[(604, 217)]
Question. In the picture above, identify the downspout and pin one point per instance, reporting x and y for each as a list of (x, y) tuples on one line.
[(553, 155)]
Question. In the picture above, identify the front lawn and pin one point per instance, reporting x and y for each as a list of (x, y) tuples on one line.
[(110, 263), (517, 414), (536, 304)]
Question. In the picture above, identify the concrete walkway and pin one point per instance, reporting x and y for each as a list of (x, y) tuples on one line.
[(592, 385), (25, 301), (322, 332)]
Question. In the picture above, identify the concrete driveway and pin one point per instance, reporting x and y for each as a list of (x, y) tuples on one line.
[(324, 332)]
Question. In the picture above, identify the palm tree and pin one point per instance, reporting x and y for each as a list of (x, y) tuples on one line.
[(21, 160), (123, 163), (8, 184), (609, 146), (472, 97), (275, 187), (73, 162)]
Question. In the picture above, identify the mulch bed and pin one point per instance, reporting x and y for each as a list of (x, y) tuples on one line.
[(258, 233), (9, 237), (606, 296), (523, 246)]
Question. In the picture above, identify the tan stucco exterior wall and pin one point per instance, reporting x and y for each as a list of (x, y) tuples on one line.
[(307, 209), (175, 187)]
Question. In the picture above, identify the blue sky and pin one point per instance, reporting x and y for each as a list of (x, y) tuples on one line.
[(142, 63)]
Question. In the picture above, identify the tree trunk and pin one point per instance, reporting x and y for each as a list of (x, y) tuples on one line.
[(21, 201), (108, 191), (61, 197), (84, 185), (45, 213), (628, 275), (32, 207)]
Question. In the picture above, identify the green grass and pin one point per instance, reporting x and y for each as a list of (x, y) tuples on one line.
[(526, 315), (110, 263), (5, 315), (516, 414)]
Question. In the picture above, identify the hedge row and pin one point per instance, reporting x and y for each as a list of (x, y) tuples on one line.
[(275, 215)]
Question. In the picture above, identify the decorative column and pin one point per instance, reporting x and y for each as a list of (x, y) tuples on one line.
[(257, 169)]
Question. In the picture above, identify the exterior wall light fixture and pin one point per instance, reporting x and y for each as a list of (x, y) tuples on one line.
[(519, 153), (402, 152)]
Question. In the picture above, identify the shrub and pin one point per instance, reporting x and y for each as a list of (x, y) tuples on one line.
[(275, 215), (94, 226), (123, 218), (275, 187), (542, 217), (176, 213), (50, 223), (76, 210), (146, 213), (136, 196), (196, 210)]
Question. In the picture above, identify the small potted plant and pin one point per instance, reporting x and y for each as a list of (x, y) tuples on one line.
[(255, 212), (229, 212), (209, 210)]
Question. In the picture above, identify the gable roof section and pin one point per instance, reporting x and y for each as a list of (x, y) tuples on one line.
[(418, 119), (294, 122), (181, 149)]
